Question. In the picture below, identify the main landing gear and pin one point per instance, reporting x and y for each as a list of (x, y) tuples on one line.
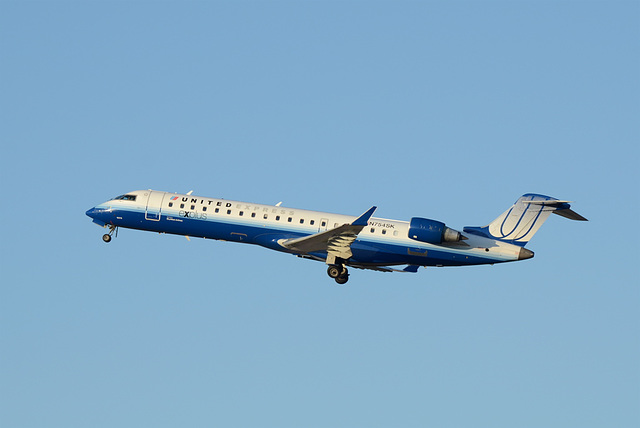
[(339, 273), (107, 236)]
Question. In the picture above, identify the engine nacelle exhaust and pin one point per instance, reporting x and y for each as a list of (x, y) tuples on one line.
[(432, 231)]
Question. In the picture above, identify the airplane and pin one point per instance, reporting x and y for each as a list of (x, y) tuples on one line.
[(340, 241)]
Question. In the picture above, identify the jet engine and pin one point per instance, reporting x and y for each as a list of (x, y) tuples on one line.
[(432, 231)]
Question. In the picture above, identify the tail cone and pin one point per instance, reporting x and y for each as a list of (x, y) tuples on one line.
[(525, 254)]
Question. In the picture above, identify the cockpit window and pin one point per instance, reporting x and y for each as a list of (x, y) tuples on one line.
[(125, 198)]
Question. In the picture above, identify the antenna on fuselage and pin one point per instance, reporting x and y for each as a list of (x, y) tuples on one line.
[(189, 192), (278, 204)]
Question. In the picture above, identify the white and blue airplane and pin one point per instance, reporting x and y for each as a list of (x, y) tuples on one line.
[(363, 242)]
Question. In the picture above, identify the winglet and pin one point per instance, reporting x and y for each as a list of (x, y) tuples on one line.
[(364, 218)]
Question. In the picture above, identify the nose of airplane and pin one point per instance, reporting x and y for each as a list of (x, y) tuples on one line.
[(91, 212), (99, 216)]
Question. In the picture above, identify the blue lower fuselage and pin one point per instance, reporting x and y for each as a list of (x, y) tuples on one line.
[(366, 251)]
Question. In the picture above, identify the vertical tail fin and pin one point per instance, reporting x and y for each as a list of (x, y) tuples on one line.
[(519, 223)]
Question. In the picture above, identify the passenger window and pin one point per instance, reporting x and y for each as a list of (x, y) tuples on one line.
[(241, 213), (277, 218), (266, 216), (395, 233), (217, 210), (204, 208), (289, 219), (384, 231), (373, 230), (170, 204), (301, 221), (181, 205), (311, 222), (193, 207), (228, 211), (253, 215), (324, 223)]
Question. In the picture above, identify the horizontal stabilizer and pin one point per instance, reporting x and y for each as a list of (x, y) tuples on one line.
[(562, 208), (549, 203), (570, 214)]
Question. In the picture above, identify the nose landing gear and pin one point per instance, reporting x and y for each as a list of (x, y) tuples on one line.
[(339, 273), (107, 236)]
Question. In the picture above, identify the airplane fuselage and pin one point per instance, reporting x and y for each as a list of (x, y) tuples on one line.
[(381, 243)]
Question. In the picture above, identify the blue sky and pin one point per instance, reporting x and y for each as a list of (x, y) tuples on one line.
[(446, 110)]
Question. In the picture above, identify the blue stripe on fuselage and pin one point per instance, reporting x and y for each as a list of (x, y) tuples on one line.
[(365, 251)]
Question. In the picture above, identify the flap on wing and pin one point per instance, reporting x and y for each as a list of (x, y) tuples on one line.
[(338, 240), (318, 241)]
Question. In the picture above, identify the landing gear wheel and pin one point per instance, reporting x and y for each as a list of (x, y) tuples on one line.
[(107, 236), (334, 271), (342, 279)]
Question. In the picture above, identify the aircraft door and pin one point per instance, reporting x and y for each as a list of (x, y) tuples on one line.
[(154, 206)]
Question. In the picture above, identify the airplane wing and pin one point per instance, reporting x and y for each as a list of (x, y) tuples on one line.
[(379, 268), (408, 268), (336, 242)]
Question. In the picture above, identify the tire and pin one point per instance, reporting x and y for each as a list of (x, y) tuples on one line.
[(334, 271), (341, 280)]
